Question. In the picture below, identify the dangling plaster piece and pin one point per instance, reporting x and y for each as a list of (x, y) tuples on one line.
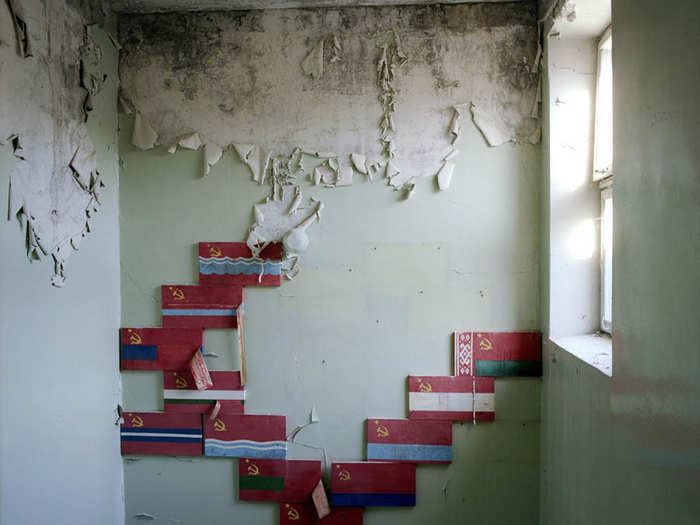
[(125, 106), (313, 63), (295, 204), (455, 128), (444, 176), (493, 129), (212, 155), (325, 174), (359, 162), (273, 222), (84, 162), (344, 176), (21, 32), (190, 141), (144, 136), (92, 78), (243, 150)]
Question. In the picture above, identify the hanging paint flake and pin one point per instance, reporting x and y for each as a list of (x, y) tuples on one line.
[(305, 514), (159, 348), (180, 394), (365, 484), (406, 440), (454, 398), (290, 481), (246, 436), (162, 434), (198, 306), (233, 263), (498, 354)]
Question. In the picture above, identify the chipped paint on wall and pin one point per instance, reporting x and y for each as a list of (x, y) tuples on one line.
[(55, 186), (240, 76)]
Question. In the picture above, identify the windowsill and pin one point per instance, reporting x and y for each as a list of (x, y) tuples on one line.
[(594, 349)]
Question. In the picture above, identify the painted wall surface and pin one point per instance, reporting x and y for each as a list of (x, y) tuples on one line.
[(59, 378), (383, 285), (573, 197), (625, 449)]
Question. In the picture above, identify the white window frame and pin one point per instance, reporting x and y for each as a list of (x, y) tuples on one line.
[(604, 55), (604, 175)]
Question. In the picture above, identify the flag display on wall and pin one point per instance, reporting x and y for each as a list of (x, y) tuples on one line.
[(365, 484), (181, 395), (305, 514), (246, 436), (197, 306), (455, 398), (290, 481), (233, 263), (412, 441), (496, 354), (161, 433), (159, 348)]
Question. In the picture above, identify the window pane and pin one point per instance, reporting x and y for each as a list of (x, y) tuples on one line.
[(607, 259)]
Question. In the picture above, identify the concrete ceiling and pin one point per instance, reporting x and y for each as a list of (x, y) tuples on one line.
[(159, 6)]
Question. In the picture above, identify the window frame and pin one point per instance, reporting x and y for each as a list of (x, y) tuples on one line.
[(599, 174), (604, 177)]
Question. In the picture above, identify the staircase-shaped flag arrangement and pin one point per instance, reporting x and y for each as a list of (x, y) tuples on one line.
[(204, 411)]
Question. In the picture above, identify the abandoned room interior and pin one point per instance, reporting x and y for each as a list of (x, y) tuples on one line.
[(350, 262)]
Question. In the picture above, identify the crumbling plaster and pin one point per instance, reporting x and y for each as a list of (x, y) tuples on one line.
[(49, 76), (237, 76)]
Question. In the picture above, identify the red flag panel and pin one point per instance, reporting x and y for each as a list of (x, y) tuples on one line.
[(199, 306), (181, 395), (161, 433), (224, 263), (159, 348)]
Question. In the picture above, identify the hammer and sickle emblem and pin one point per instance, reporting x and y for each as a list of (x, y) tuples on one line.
[(215, 252), (292, 513), (343, 475), (178, 294), (382, 431), (220, 426), (181, 382), (484, 343), (425, 387), (253, 470), (136, 421), (134, 337)]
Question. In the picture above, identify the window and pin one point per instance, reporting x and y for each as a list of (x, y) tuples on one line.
[(602, 172)]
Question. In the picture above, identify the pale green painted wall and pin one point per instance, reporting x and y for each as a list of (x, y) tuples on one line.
[(625, 449), (384, 284), (59, 368)]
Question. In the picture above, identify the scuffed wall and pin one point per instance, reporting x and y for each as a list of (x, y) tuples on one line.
[(59, 379), (385, 280)]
